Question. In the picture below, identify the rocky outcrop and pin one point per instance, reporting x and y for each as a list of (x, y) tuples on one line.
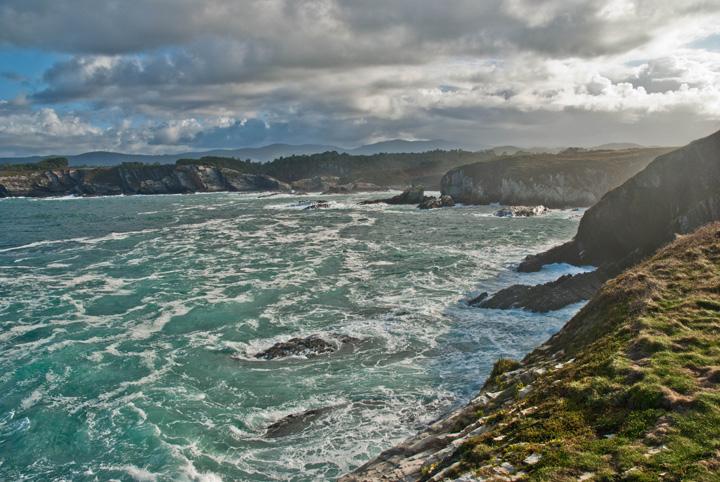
[(296, 422), (316, 205), (413, 195), (309, 347), (546, 297), (134, 179), (611, 396), (353, 187), (521, 211), (675, 194), (433, 202), (571, 178)]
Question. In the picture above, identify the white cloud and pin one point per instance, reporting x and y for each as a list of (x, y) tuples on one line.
[(175, 75)]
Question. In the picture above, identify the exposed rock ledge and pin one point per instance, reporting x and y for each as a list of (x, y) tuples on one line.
[(566, 290), (310, 346), (416, 195)]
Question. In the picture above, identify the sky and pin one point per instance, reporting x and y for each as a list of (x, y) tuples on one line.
[(163, 76)]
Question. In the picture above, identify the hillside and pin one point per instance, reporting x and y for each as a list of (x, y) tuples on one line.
[(627, 390), (260, 154), (572, 178), (391, 169)]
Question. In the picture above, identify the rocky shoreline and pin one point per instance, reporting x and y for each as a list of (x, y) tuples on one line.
[(605, 359), (132, 180)]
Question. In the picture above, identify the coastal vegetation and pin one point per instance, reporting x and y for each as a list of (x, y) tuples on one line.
[(627, 390), (635, 395)]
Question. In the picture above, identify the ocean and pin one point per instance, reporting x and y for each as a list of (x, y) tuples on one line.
[(129, 325)]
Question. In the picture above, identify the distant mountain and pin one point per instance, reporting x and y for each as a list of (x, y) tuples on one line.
[(399, 146), (261, 154), (618, 146), (512, 150)]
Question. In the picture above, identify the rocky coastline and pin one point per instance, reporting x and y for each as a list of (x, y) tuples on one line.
[(607, 384), (560, 413), (133, 179)]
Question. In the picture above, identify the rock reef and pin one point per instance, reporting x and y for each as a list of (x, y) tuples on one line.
[(309, 347), (521, 211)]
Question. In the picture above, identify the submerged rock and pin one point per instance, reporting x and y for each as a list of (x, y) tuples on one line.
[(311, 346), (521, 211), (433, 202), (546, 297), (317, 205), (296, 422)]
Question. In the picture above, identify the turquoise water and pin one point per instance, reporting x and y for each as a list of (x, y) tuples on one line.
[(128, 327)]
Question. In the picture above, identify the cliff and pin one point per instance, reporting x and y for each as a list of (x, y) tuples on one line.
[(675, 193), (132, 179), (386, 169), (627, 390), (572, 178)]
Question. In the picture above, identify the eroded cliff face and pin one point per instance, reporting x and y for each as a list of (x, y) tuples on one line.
[(570, 179), (133, 179), (553, 190), (675, 194)]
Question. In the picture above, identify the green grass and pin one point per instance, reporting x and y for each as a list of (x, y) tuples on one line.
[(641, 399)]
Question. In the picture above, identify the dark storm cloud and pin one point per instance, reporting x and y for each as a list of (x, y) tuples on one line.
[(191, 73)]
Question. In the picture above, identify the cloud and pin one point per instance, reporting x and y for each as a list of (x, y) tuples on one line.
[(171, 74)]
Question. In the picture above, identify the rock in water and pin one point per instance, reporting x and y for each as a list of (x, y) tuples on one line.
[(413, 195), (297, 422), (551, 296), (433, 202), (478, 299), (521, 211), (310, 346), (317, 205)]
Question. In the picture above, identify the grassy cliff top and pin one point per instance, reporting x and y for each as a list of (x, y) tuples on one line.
[(629, 389)]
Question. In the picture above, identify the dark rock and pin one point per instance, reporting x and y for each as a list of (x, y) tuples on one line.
[(551, 296), (317, 205), (296, 422), (413, 195), (478, 299), (521, 211), (564, 253), (309, 347), (433, 202)]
